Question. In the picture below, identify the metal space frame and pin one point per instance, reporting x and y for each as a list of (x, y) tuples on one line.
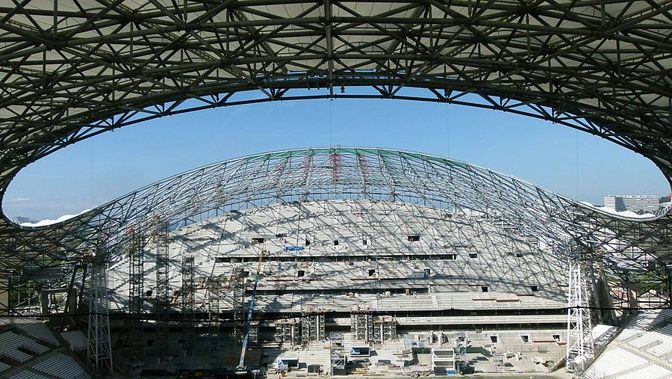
[(580, 347), (356, 173), (74, 68), (99, 348)]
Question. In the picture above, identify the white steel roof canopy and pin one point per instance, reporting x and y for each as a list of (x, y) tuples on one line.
[(341, 173)]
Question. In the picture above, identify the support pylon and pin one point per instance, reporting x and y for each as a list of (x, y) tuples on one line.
[(162, 301), (579, 326), (136, 292), (99, 350), (188, 303)]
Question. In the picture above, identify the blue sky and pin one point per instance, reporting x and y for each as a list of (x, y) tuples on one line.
[(555, 157)]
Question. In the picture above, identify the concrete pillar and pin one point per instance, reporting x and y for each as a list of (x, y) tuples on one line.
[(44, 302), (603, 300)]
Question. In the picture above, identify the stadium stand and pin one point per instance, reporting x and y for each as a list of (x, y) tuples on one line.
[(61, 365), (29, 349), (642, 350), (613, 362), (653, 372), (27, 374), (39, 331), (4, 366), (19, 348)]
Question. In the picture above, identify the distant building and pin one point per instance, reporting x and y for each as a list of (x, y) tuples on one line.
[(633, 203)]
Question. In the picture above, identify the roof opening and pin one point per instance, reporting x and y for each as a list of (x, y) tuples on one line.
[(413, 238)]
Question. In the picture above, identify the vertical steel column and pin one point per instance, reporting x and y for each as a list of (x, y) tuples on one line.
[(237, 288), (162, 305), (579, 325), (461, 344), (136, 291), (99, 351), (215, 290), (188, 303), (5, 281), (337, 355), (71, 302), (668, 272)]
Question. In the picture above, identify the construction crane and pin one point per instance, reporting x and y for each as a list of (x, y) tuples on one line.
[(250, 310)]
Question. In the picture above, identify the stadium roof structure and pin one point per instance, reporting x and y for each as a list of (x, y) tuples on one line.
[(570, 228), (72, 69)]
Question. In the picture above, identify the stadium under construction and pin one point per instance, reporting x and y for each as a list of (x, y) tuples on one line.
[(335, 261)]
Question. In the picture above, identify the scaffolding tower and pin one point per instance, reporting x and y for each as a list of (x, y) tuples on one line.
[(136, 292), (461, 344), (369, 328), (253, 333), (361, 324), (579, 326), (337, 355), (188, 303), (288, 331), (215, 296), (99, 348), (237, 288), (162, 300), (385, 328), (312, 325)]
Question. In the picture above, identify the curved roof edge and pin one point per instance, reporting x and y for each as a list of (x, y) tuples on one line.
[(87, 214)]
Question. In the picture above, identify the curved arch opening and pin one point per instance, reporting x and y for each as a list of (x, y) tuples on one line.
[(557, 158)]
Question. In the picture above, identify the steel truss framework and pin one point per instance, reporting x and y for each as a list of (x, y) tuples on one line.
[(624, 248), (580, 345), (76, 68), (99, 350), (136, 291), (73, 69), (188, 303)]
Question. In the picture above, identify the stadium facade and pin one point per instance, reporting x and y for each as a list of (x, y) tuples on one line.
[(633, 203)]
